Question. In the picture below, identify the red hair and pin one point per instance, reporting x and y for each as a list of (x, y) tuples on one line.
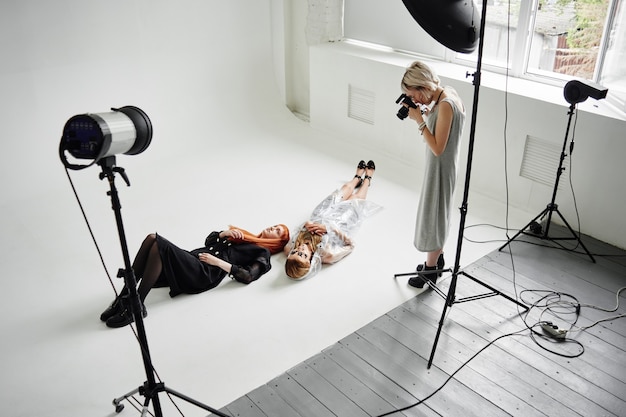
[(274, 245)]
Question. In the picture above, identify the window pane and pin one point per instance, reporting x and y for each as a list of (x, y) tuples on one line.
[(500, 28), (613, 73), (388, 23), (566, 37)]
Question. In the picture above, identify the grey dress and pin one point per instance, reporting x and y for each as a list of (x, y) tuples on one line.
[(435, 204)]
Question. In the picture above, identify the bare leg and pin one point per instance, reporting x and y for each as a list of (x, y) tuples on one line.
[(348, 188), (431, 257), (361, 193)]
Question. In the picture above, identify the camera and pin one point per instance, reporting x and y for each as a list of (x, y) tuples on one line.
[(404, 111)]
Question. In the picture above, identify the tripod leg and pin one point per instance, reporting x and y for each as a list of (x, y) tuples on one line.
[(543, 213), (448, 303), (145, 410), (576, 236), (194, 402), (117, 402)]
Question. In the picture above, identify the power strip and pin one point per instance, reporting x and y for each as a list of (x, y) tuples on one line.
[(553, 330)]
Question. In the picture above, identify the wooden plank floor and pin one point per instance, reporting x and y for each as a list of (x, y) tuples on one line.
[(383, 366)]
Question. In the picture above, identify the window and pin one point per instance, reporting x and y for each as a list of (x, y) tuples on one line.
[(551, 41), (612, 72)]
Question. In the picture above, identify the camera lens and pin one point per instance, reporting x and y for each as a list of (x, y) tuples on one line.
[(403, 113)]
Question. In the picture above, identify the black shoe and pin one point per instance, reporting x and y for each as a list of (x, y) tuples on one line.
[(361, 165), (418, 282), (125, 317), (116, 306), (370, 165)]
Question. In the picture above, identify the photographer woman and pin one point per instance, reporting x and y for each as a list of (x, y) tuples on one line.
[(441, 127)]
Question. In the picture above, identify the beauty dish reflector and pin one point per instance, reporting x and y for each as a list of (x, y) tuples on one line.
[(453, 23)]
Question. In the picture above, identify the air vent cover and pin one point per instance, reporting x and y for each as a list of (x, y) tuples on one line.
[(541, 161), (361, 104)]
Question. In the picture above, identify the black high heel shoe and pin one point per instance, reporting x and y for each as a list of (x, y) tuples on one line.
[(361, 165), (370, 165), (418, 282)]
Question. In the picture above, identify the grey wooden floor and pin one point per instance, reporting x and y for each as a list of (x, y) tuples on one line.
[(383, 366)]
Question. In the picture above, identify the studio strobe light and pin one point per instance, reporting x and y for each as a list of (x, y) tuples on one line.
[(95, 136), (577, 91), (99, 137)]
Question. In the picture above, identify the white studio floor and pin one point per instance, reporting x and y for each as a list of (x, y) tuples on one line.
[(58, 359)]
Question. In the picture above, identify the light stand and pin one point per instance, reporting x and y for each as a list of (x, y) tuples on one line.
[(450, 297), (552, 207), (150, 389)]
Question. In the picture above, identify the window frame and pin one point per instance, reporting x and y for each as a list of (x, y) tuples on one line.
[(518, 62)]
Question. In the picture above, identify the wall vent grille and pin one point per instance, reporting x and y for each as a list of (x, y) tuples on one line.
[(361, 104), (541, 161)]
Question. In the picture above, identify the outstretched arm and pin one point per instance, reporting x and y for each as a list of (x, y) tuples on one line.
[(242, 273), (207, 258)]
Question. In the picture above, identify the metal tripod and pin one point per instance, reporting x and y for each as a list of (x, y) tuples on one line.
[(450, 297), (150, 389), (552, 207)]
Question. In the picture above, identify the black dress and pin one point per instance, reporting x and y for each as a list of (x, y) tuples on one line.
[(184, 273)]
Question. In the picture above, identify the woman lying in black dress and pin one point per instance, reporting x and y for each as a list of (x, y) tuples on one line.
[(159, 263)]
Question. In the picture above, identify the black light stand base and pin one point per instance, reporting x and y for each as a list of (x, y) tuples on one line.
[(542, 233), (151, 388), (451, 299), (150, 392)]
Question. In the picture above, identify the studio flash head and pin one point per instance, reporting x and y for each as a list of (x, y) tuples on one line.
[(577, 91), (95, 136), (404, 111)]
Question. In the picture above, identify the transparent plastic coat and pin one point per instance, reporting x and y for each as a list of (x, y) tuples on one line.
[(342, 219)]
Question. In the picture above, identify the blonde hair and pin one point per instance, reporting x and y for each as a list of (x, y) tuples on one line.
[(274, 245), (419, 76), (295, 267)]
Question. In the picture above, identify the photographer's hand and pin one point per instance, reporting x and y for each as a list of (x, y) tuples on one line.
[(416, 114)]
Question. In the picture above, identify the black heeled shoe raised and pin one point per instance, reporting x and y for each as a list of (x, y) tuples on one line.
[(370, 165), (361, 165), (418, 282)]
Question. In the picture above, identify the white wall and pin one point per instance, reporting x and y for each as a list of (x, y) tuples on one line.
[(597, 168), (181, 62)]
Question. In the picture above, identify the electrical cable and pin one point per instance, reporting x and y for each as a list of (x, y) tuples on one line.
[(571, 183), (558, 247), (505, 142), (463, 365), (93, 237)]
